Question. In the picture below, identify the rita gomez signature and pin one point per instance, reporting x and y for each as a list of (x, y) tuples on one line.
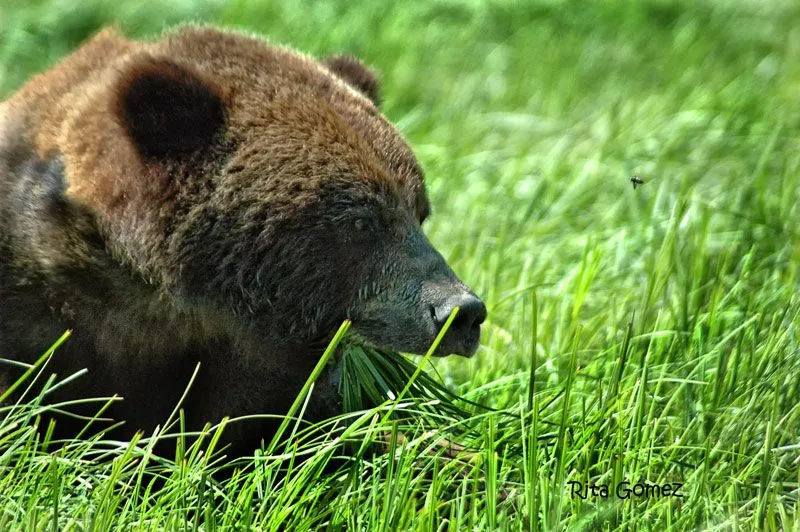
[(625, 490)]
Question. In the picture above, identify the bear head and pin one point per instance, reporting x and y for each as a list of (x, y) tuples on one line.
[(255, 187)]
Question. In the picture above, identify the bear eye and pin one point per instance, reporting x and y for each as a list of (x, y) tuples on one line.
[(363, 224)]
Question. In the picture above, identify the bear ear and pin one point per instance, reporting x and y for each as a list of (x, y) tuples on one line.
[(168, 111), (356, 74)]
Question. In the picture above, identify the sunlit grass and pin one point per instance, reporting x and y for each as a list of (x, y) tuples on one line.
[(657, 326)]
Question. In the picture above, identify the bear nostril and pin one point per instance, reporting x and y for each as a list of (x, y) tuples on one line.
[(471, 312)]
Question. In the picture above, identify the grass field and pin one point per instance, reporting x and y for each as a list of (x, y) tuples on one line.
[(660, 326)]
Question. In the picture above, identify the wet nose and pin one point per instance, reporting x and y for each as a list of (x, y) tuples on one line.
[(471, 312)]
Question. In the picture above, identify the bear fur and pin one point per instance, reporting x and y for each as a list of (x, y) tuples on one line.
[(209, 198)]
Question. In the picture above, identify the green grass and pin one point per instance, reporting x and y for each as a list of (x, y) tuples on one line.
[(659, 326)]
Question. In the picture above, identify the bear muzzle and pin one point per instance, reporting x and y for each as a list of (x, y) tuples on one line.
[(464, 334)]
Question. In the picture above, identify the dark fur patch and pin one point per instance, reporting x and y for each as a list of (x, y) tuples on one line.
[(47, 182), (355, 73), (169, 111)]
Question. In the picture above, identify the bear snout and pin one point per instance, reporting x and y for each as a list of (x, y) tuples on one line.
[(464, 334)]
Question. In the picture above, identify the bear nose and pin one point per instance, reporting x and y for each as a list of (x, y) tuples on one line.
[(471, 312)]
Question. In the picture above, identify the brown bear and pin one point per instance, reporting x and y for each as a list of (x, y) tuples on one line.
[(209, 198)]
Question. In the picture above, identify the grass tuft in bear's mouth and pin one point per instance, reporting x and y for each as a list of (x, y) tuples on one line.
[(369, 376)]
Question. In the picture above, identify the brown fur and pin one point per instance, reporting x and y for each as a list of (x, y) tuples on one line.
[(209, 198)]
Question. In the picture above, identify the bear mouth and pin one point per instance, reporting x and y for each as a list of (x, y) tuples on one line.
[(465, 344), (456, 342)]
